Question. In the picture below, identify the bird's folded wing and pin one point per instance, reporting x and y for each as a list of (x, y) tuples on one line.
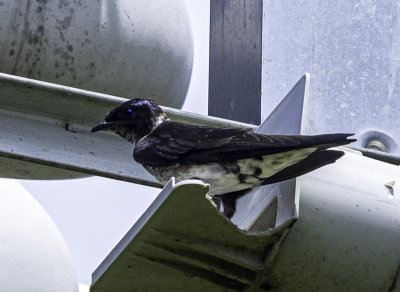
[(174, 142)]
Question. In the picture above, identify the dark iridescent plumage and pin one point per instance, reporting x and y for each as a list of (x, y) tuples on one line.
[(231, 160)]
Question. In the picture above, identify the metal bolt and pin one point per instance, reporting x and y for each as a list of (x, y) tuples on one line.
[(376, 145)]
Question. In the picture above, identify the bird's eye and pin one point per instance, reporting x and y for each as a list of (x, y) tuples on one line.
[(129, 111)]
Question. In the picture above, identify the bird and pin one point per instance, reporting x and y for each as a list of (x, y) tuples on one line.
[(231, 160)]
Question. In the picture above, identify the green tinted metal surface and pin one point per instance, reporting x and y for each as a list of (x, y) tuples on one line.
[(182, 243)]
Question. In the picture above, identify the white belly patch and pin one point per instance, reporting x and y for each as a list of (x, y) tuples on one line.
[(271, 164), (232, 176)]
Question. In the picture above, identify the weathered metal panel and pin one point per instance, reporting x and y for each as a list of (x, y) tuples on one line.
[(235, 60), (352, 51)]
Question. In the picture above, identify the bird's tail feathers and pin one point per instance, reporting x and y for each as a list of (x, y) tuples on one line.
[(331, 140), (314, 161)]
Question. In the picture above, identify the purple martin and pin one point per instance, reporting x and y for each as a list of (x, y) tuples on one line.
[(231, 160)]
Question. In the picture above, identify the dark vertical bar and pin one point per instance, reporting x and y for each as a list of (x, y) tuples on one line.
[(235, 60)]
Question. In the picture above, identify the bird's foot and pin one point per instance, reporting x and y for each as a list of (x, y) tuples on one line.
[(228, 201)]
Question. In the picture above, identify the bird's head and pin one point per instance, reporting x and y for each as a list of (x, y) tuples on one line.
[(132, 119)]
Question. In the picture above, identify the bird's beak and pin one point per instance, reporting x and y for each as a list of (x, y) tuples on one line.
[(101, 127)]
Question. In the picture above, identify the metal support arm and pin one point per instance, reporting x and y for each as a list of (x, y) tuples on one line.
[(44, 133)]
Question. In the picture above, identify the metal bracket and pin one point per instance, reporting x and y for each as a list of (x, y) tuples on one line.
[(44, 133), (272, 205), (182, 243)]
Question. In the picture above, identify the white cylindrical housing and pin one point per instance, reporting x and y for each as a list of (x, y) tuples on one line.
[(125, 48), (33, 253)]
